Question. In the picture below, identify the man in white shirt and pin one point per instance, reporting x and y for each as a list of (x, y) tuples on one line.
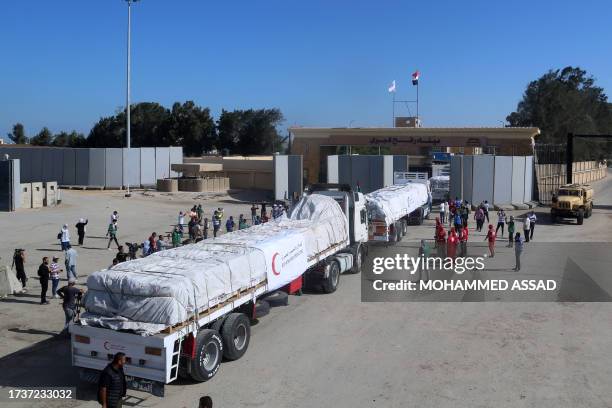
[(442, 212), (526, 228), (532, 222)]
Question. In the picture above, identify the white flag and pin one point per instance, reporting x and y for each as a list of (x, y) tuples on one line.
[(392, 87)]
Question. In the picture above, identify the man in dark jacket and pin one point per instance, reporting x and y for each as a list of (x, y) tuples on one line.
[(112, 386), (18, 263), (43, 275), (80, 226)]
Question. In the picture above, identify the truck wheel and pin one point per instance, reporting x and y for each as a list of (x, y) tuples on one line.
[(236, 333), (331, 283), (277, 298), (589, 212), (580, 218), (262, 308), (358, 261), (209, 351)]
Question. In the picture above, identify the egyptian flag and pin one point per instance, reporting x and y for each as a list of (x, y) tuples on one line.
[(415, 77)]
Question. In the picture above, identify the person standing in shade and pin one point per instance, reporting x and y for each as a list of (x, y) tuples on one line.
[(442, 212), (253, 213), (511, 229), (458, 220), (479, 216), (112, 386), (80, 226), (64, 236), (69, 294), (486, 210), (491, 238), (19, 259), (43, 276), (501, 221), (181, 222), (451, 244), (424, 253), (463, 240), (112, 234), (229, 224), (216, 223), (526, 228), (532, 222), (55, 276), (71, 262), (199, 211), (176, 237), (518, 250)]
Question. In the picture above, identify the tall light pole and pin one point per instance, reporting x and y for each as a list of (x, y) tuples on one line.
[(127, 91)]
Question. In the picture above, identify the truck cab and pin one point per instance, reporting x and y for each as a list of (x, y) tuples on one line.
[(326, 275), (572, 201)]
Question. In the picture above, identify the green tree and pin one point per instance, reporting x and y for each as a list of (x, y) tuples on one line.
[(250, 131), (18, 135), (564, 101), (108, 132), (192, 127), (72, 139), (42, 138)]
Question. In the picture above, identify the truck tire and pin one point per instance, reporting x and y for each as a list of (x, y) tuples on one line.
[(589, 212), (277, 298), (330, 284), (209, 352), (236, 334), (357, 261), (553, 216), (262, 308), (580, 218)]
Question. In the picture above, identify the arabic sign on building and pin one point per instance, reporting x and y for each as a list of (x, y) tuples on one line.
[(404, 140)]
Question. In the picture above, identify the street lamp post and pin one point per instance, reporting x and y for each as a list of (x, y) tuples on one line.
[(127, 92)]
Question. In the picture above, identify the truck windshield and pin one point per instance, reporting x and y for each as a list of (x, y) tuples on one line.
[(569, 193)]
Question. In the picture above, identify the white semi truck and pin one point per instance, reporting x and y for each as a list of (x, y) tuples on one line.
[(393, 208), (195, 347)]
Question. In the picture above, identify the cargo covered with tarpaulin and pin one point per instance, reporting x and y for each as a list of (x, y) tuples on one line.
[(169, 287), (391, 203)]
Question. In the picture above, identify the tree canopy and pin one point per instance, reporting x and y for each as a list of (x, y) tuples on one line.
[(566, 101), (18, 134)]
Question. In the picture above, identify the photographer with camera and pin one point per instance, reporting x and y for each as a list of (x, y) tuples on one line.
[(71, 296)]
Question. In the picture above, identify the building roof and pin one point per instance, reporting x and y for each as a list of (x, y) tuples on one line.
[(489, 132)]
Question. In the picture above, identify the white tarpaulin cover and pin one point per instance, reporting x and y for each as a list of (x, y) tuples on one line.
[(148, 294), (394, 202)]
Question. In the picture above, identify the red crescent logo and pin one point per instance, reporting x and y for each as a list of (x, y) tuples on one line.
[(274, 271), (106, 345)]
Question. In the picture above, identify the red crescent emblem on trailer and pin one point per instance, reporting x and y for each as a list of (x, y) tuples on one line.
[(274, 271)]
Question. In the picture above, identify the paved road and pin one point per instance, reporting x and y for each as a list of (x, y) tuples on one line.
[(334, 350)]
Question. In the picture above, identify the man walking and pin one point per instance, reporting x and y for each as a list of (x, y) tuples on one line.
[(112, 234), (526, 228), (511, 232), (112, 385), (216, 223), (43, 276), (229, 224), (486, 210), (501, 221), (442, 212), (64, 237), (532, 222), (55, 276), (18, 262), (71, 263), (80, 226), (70, 294)]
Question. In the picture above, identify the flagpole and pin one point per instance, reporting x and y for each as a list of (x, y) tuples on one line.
[(417, 100), (393, 122)]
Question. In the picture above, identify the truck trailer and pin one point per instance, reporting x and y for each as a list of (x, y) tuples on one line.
[(136, 307)]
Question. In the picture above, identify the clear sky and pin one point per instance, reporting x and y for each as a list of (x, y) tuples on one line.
[(323, 63)]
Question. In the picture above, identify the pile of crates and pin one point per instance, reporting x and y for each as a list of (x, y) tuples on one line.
[(38, 195)]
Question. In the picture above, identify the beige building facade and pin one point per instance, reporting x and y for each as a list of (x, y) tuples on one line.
[(315, 144)]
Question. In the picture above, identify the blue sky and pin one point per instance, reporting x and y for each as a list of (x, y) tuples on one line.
[(323, 63)]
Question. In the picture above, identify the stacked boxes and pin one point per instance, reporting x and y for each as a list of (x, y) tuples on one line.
[(38, 195)]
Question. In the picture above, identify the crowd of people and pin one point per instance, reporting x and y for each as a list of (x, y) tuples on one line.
[(453, 243)]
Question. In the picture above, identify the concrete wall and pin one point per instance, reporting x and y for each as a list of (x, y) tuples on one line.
[(25, 195), (38, 195), (483, 183), (518, 179), (97, 167), (10, 185), (147, 166), (114, 168), (528, 191), (92, 167), (456, 178), (502, 187), (468, 178), (369, 172), (176, 156), (401, 163), (332, 169), (281, 177)]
